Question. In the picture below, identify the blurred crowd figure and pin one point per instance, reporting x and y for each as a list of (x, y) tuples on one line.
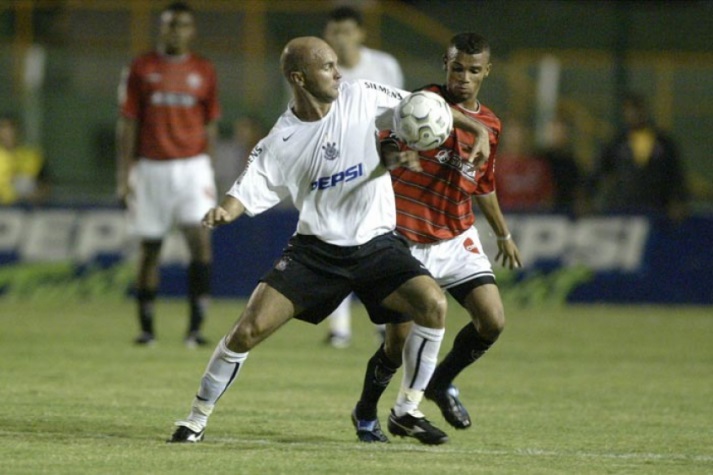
[(345, 33), (569, 180), (231, 153), (524, 180), (24, 177), (640, 170)]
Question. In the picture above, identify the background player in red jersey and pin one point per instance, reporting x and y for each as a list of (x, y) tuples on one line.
[(165, 137), (434, 191)]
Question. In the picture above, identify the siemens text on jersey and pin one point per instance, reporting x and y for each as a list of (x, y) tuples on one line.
[(386, 90)]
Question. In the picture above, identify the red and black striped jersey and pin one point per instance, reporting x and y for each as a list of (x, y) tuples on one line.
[(436, 203)]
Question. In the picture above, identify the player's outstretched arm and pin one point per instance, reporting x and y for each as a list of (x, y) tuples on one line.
[(481, 148), (227, 212)]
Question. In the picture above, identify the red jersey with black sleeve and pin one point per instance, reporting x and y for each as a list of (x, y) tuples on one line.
[(436, 203), (172, 98)]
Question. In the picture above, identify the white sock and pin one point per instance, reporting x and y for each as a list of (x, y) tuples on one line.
[(420, 355), (222, 370), (340, 321)]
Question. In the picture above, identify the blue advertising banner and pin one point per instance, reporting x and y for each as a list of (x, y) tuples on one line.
[(85, 253)]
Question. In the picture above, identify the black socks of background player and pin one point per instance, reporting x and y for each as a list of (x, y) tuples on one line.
[(198, 291), (146, 299), (468, 346), (379, 372)]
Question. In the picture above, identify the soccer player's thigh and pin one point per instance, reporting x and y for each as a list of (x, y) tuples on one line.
[(150, 215), (196, 181), (267, 310), (485, 307), (391, 276), (310, 283)]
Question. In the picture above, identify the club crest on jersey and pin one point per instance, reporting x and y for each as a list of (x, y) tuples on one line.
[(470, 246), (330, 151), (194, 80)]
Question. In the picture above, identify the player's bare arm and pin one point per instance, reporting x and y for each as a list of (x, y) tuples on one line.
[(126, 131), (508, 253), (211, 130), (392, 157), (227, 212), (481, 148)]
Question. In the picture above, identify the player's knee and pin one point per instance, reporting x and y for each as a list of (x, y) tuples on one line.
[(432, 309), (244, 337), (492, 323)]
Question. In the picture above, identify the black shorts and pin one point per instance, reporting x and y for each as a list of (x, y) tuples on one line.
[(317, 276)]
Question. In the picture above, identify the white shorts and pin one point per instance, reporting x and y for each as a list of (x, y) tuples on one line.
[(455, 261), (170, 192)]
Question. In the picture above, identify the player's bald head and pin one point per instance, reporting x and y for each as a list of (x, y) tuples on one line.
[(300, 52)]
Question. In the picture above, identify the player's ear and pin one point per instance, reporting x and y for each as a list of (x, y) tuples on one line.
[(487, 70)]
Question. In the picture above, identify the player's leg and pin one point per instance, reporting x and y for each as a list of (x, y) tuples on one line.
[(266, 311), (472, 341), (340, 325), (421, 298), (379, 370), (147, 282), (199, 275), (196, 180), (150, 219)]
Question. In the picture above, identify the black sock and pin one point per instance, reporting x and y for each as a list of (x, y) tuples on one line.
[(198, 290), (146, 299), (468, 346), (379, 372)]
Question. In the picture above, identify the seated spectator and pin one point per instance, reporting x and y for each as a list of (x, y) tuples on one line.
[(523, 180), (23, 172), (640, 170)]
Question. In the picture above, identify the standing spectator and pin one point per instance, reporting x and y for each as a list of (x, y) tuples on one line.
[(23, 172), (345, 33), (322, 153), (166, 133), (568, 180), (524, 180), (641, 171)]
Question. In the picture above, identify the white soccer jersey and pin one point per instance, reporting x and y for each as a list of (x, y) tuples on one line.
[(330, 168), (375, 66)]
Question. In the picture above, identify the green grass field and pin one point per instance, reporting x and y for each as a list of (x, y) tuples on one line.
[(569, 390)]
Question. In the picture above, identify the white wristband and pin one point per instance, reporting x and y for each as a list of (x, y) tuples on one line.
[(505, 238)]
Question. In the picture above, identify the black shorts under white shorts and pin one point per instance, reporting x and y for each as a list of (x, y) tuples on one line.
[(317, 276)]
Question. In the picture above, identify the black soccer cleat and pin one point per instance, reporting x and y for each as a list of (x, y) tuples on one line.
[(145, 339), (368, 431), (186, 435), (418, 427), (194, 340), (452, 409)]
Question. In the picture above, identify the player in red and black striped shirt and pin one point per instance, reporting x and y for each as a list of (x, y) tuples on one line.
[(434, 192)]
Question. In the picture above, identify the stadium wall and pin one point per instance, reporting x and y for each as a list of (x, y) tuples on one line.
[(88, 253)]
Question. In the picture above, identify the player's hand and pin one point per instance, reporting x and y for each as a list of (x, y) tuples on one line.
[(123, 194), (481, 149), (215, 217), (508, 254), (407, 158)]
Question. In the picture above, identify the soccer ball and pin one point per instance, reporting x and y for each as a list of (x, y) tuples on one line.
[(423, 120)]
